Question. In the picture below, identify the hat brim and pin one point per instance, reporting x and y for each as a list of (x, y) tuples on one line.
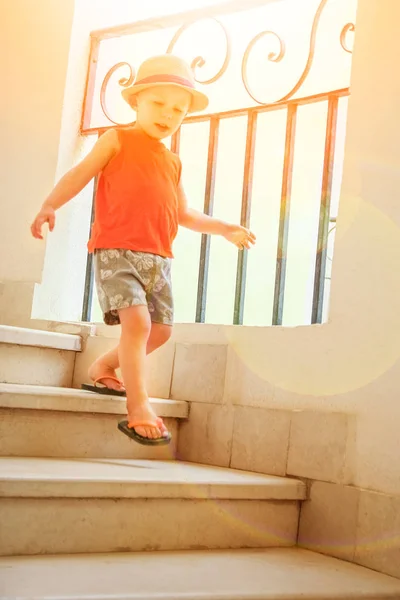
[(199, 100)]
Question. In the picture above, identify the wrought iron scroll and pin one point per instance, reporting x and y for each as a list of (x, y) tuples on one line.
[(277, 57), (123, 82), (272, 56), (350, 27), (199, 61)]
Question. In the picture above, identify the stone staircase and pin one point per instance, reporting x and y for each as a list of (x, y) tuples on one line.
[(86, 513), (46, 421)]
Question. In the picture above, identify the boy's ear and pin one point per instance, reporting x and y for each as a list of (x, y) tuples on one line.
[(133, 102)]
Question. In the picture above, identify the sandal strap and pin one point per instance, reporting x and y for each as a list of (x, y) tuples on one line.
[(99, 379), (158, 424)]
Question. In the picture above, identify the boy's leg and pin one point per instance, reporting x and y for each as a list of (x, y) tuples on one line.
[(107, 364), (132, 349)]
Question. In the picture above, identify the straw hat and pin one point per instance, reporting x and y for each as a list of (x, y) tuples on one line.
[(166, 70)]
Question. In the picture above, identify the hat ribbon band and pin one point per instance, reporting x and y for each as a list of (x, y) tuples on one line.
[(165, 79)]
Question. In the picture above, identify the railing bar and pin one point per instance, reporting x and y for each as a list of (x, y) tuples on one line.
[(283, 235), (245, 216), (89, 276), (176, 142), (208, 209), (230, 114), (324, 215), (90, 85)]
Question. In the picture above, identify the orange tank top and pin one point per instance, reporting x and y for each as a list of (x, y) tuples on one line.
[(136, 206)]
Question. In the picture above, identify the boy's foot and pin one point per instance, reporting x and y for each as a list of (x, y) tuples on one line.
[(145, 441), (143, 426), (102, 373), (145, 422)]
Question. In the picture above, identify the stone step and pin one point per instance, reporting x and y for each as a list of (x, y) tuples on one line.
[(44, 421), (271, 574), (51, 506), (29, 356)]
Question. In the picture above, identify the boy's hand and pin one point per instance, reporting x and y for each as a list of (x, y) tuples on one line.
[(240, 236), (46, 215)]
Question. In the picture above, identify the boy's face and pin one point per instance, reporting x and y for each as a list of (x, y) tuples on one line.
[(161, 110)]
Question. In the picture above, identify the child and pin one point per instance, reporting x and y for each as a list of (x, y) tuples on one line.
[(140, 202)]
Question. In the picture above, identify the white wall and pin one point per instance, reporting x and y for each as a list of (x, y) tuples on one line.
[(59, 295), (34, 38)]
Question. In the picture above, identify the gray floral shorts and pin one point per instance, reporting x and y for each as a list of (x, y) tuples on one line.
[(125, 278)]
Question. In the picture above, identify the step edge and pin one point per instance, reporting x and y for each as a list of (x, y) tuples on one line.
[(259, 485), (386, 587), (157, 490), (71, 400), (37, 338)]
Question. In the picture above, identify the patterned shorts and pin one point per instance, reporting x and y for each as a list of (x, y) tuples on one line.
[(125, 278)]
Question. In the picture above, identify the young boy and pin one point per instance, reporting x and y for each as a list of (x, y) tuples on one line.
[(140, 202)]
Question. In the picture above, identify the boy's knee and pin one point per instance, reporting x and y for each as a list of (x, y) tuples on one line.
[(135, 321)]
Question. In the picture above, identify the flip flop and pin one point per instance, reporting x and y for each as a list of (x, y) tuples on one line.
[(103, 389), (131, 433)]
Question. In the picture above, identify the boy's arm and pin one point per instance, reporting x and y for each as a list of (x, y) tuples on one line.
[(75, 180), (202, 223)]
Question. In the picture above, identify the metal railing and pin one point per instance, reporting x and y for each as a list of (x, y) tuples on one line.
[(289, 103)]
